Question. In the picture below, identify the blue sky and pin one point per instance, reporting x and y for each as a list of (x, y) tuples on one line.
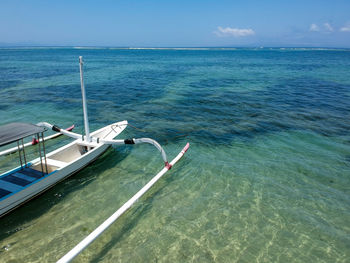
[(156, 23)]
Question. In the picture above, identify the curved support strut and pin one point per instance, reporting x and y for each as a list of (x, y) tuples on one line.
[(115, 142)]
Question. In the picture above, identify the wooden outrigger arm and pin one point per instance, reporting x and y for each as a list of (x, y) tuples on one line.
[(110, 142)]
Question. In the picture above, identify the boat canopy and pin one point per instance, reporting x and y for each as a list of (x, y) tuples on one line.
[(18, 130)]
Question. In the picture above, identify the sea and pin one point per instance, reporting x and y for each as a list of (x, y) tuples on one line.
[(266, 178)]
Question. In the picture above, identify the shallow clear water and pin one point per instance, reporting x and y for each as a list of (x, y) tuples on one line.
[(267, 177)]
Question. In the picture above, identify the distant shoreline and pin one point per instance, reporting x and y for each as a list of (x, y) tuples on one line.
[(175, 48)]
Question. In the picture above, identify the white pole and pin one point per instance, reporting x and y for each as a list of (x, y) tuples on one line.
[(98, 231), (86, 120)]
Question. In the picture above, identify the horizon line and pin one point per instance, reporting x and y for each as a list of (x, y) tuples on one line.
[(168, 48)]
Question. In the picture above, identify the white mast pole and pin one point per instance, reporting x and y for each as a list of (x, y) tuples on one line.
[(86, 120)]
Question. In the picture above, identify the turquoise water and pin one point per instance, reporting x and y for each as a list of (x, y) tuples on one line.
[(266, 179)]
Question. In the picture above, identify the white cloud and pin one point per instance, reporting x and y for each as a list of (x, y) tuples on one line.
[(345, 28), (328, 27), (235, 32), (324, 28), (314, 27)]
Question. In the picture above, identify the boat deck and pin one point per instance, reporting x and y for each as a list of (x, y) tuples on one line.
[(15, 181)]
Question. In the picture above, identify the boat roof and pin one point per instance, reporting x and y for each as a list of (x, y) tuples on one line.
[(17, 130)]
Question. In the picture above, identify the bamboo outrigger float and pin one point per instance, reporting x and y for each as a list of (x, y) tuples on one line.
[(32, 178)]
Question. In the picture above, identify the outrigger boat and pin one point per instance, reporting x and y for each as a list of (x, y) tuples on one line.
[(34, 177)]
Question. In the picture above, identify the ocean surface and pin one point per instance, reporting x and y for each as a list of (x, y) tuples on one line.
[(266, 179)]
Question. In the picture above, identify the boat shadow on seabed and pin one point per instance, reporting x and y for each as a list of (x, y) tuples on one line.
[(130, 222)]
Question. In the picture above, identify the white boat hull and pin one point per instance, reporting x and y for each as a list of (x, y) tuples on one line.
[(62, 163)]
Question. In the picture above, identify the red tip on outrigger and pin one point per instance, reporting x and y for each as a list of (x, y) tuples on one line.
[(168, 165), (186, 148)]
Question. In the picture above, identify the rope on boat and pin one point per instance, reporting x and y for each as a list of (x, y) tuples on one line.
[(107, 223), (132, 126)]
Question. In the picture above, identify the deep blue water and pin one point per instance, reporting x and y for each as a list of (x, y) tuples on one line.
[(267, 177)]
